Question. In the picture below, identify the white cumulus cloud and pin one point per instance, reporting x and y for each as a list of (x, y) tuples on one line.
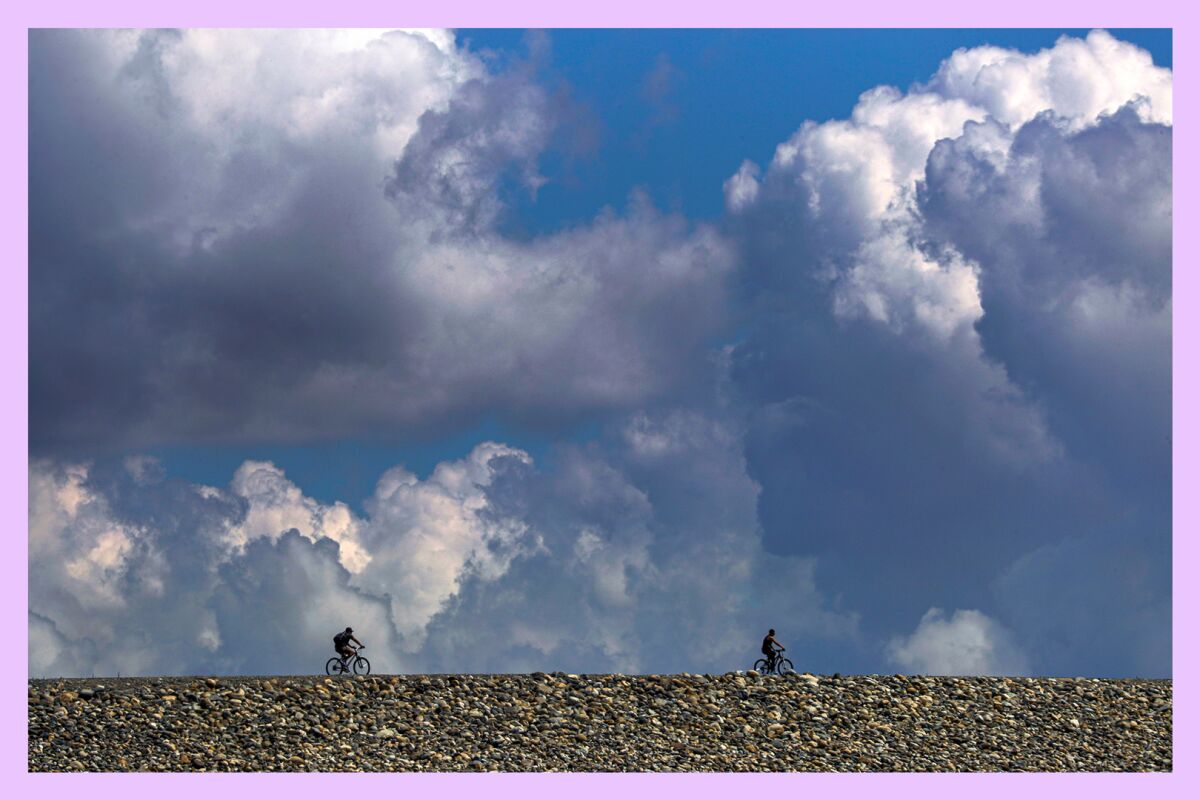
[(966, 643), (849, 187), (1079, 79), (487, 564), (427, 537)]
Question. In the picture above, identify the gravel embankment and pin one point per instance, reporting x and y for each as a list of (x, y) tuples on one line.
[(727, 723)]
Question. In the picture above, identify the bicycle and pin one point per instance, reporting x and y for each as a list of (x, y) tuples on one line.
[(776, 666), (342, 665)]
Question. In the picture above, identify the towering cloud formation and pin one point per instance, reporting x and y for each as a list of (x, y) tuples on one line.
[(974, 351)]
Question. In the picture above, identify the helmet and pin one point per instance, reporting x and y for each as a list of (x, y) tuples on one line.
[(769, 633), (349, 629)]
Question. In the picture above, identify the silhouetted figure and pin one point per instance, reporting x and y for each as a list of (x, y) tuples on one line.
[(768, 648), (341, 643)]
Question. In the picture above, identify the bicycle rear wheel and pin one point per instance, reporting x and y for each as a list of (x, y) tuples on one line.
[(760, 666), (333, 666), (784, 666), (362, 666)]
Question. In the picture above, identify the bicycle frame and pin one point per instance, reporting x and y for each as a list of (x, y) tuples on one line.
[(347, 664), (772, 659)]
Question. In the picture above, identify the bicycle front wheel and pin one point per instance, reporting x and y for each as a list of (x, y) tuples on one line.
[(333, 666), (362, 666), (784, 667)]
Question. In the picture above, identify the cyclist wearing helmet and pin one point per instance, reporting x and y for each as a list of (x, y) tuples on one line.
[(341, 643), (768, 648)]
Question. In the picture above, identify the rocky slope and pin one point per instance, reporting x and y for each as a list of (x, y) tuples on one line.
[(730, 723)]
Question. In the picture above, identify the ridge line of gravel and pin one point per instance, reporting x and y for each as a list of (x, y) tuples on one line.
[(735, 722)]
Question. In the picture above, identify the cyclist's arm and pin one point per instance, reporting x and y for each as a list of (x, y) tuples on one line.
[(356, 641)]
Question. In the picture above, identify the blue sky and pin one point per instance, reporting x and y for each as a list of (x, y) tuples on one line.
[(572, 344), (764, 82)]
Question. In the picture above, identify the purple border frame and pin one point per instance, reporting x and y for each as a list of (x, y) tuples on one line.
[(613, 13)]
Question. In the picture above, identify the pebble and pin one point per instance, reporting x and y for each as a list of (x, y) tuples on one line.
[(551, 722)]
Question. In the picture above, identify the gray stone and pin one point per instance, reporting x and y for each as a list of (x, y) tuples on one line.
[(735, 722)]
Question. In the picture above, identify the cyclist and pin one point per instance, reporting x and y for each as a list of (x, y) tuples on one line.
[(768, 648), (341, 643)]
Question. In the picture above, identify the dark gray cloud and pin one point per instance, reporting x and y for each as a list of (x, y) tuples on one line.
[(232, 234), (1076, 286), (1073, 235), (1098, 602)]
